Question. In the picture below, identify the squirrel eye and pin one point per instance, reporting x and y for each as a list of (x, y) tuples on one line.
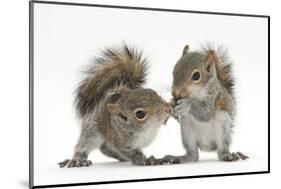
[(140, 114), (195, 76)]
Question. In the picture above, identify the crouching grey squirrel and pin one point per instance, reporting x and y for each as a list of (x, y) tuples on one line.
[(204, 104), (118, 116)]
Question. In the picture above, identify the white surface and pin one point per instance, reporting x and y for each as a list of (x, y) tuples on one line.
[(114, 171), (67, 37), (14, 94)]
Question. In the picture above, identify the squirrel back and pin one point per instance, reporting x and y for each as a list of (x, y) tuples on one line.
[(115, 68)]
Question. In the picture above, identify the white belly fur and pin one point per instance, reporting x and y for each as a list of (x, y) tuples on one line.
[(146, 136), (207, 135)]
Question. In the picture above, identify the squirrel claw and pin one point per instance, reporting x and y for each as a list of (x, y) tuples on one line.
[(230, 157), (75, 163), (242, 156), (148, 161), (152, 161), (181, 108), (63, 163), (234, 156), (169, 159)]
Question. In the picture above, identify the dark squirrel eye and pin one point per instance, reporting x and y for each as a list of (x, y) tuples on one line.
[(140, 114), (196, 76)]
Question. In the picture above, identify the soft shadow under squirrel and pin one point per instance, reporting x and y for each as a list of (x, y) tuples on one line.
[(118, 116)]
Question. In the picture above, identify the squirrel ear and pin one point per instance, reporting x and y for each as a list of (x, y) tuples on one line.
[(185, 50), (114, 108), (210, 59), (114, 97), (117, 110)]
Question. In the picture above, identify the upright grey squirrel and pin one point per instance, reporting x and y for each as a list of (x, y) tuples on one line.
[(204, 104), (118, 116)]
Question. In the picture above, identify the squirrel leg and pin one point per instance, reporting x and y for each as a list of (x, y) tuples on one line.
[(223, 140), (110, 152), (87, 142), (192, 155), (189, 141)]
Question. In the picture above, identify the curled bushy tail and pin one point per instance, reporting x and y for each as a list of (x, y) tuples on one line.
[(115, 67), (223, 66)]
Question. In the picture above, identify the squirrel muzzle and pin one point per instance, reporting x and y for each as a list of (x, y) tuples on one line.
[(179, 93)]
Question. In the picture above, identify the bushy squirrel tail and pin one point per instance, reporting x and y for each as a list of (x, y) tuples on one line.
[(115, 67), (223, 66)]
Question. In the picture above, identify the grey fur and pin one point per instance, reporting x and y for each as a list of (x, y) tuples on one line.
[(113, 153), (223, 58), (206, 109), (106, 102), (201, 109)]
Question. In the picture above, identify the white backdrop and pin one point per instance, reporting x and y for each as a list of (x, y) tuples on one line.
[(67, 37), (14, 93)]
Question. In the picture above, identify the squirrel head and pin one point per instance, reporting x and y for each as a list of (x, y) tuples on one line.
[(138, 108), (192, 72)]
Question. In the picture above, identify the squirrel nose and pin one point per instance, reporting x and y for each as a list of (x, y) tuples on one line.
[(167, 108), (176, 94)]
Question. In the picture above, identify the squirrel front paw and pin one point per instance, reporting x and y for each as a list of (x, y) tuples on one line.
[(169, 159), (181, 108), (75, 163), (146, 161)]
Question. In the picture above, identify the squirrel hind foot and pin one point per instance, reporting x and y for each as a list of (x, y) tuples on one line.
[(75, 163)]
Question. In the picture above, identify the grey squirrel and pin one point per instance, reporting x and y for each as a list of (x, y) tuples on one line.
[(204, 104), (118, 116)]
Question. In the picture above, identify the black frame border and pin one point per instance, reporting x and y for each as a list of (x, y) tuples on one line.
[(31, 92)]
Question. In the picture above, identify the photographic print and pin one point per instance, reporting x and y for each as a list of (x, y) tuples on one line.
[(126, 94)]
